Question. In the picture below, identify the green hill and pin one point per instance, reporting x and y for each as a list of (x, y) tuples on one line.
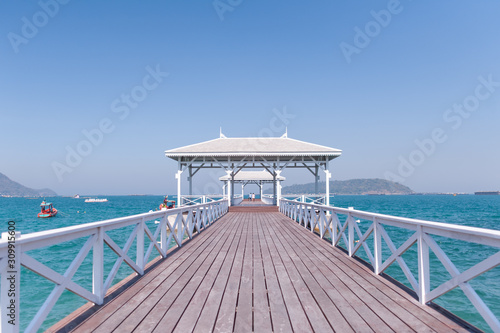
[(9, 187), (350, 187)]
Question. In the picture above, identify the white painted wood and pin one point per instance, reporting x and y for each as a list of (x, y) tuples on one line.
[(322, 223), (302, 214), (173, 233), (328, 175), (122, 256), (461, 280), (396, 255), (163, 236), (189, 224), (51, 275), (229, 187), (58, 290), (342, 229), (377, 246), (481, 307), (140, 247), (153, 243), (98, 266), (350, 225), (96, 232), (335, 223), (362, 242), (178, 177)]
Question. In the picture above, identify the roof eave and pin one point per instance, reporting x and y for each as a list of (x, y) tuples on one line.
[(192, 154)]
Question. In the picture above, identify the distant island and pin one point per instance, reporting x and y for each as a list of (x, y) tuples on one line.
[(350, 187), (10, 188)]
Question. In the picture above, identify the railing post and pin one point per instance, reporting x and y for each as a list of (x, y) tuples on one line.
[(10, 292), (423, 266), (139, 260), (334, 227), (322, 222), (300, 214), (163, 234), (377, 246), (350, 228), (98, 266)]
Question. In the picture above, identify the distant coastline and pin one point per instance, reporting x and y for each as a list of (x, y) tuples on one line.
[(373, 186), (10, 188)]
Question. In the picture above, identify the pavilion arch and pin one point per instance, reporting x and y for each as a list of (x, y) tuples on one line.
[(258, 178)]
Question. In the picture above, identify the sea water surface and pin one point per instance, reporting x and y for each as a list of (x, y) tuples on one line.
[(470, 210)]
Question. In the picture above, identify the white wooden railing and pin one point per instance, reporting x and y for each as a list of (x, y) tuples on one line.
[(188, 200), (326, 222), (267, 199), (307, 198), (237, 199), (173, 227), (317, 199)]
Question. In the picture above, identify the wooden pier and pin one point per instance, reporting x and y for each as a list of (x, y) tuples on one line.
[(222, 263), (258, 271)]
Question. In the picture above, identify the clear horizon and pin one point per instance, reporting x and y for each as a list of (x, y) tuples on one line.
[(94, 93), (266, 186)]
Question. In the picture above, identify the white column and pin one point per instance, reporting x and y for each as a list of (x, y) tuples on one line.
[(232, 187), (328, 175), (274, 188), (242, 191), (178, 177), (316, 179), (190, 179), (229, 188), (278, 187), (261, 186)]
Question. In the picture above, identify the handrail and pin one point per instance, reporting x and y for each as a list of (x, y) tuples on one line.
[(267, 199), (184, 221), (325, 219), (195, 199), (306, 198)]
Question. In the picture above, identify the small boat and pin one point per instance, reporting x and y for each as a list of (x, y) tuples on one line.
[(47, 210), (167, 204), (96, 200), (77, 196)]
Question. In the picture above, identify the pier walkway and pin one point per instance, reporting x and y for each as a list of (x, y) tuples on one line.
[(262, 272)]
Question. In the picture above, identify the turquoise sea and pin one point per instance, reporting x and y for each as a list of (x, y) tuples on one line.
[(478, 211)]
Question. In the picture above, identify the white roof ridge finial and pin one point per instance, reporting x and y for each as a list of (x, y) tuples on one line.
[(285, 136), (221, 136)]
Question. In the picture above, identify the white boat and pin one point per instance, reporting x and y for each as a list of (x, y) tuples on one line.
[(96, 200)]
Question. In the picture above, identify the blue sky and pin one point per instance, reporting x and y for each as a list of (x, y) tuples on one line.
[(391, 102)]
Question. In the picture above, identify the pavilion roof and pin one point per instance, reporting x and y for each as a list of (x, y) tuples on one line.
[(253, 147)]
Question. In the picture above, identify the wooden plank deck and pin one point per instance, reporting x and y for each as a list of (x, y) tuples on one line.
[(262, 272)]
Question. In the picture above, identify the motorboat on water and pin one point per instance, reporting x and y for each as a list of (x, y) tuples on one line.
[(47, 210), (167, 204), (96, 200)]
